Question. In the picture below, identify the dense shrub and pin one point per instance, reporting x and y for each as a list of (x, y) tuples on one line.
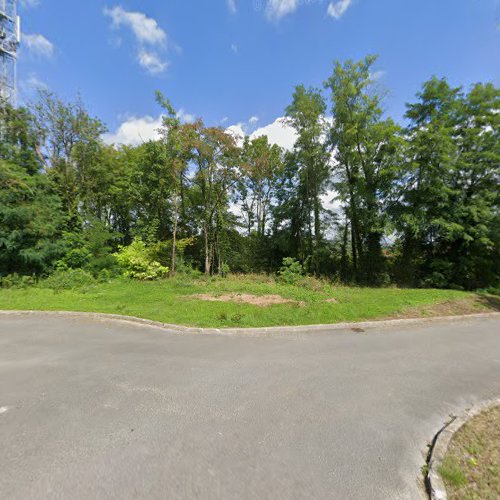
[(16, 281), (291, 272), (76, 258), (137, 262), (68, 279)]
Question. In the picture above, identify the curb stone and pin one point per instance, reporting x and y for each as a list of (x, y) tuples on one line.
[(437, 489), (358, 327)]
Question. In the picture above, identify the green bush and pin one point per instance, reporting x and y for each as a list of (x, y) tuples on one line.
[(76, 258), (68, 279), (16, 281), (291, 272), (106, 263), (224, 270), (138, 263), (187, 268)]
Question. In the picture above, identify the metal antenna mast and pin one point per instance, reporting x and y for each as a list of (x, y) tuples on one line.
[(10, 37)]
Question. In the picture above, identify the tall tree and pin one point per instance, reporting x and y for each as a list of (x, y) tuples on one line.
[(71, 141), (366, 149), (450, 190), (307, 116), (176, 155), (20, 138), (262, 166), (31, 222), (215, 156)]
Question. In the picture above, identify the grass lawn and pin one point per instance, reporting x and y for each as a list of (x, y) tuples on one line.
[(471, 468), (171, 301)]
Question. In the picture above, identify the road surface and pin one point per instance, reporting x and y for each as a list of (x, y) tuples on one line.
[(99, 410)]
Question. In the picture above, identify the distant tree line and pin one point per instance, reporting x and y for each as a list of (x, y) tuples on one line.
[(416, 205)]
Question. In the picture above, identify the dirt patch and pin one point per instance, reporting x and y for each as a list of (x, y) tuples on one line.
[(244, 298), (332, 301), (459, 307), (471, 468)]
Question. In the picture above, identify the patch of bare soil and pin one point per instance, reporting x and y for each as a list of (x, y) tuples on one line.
[(332, 301), (460, 307), (244, 298)]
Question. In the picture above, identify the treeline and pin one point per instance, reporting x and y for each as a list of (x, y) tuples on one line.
[(416, 205)]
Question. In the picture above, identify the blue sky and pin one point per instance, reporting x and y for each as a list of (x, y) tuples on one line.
[(233, 60)]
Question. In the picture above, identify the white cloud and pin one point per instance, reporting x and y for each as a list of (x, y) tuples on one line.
[(145, 29), (338, 9), (279, 132), (29, 86), (231, 5), (276, 9), (38, 44), (135, 131), (151, 61), (29, 3), (148, 35), (234, 48), (377, 75), (138, 129), (35, 83), (185, 117), (238, 132)]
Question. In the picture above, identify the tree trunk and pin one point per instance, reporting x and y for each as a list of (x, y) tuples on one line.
[(174, 237), (207, 253)]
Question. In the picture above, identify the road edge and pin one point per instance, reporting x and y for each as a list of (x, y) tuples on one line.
[(435, 483), (359, 327)]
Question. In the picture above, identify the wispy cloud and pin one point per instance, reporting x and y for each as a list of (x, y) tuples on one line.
[(150, 38), (377, 75), (151, 61), (185, 117), (234, 48), (145, 29), (231, 5), (30, 85), (277, 9), (29, 3), (38, 45), (339, 8)]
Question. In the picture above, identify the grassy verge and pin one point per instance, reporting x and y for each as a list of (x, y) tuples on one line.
[(171, 301), (471, 469)]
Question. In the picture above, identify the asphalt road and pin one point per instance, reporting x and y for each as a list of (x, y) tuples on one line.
[(97, 410)]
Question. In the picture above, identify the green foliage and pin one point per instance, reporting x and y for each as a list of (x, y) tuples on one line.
[(172, 301), (69, 279), (76, 258), (447, 215), (19, 139), (31, 222), (368, 150), (224, 269), (417, 207), (137, 262), (17, 281), (291, 271), (452, 473)]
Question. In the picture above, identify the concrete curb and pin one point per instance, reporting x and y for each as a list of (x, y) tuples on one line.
[(360, 327), (437, 489)]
